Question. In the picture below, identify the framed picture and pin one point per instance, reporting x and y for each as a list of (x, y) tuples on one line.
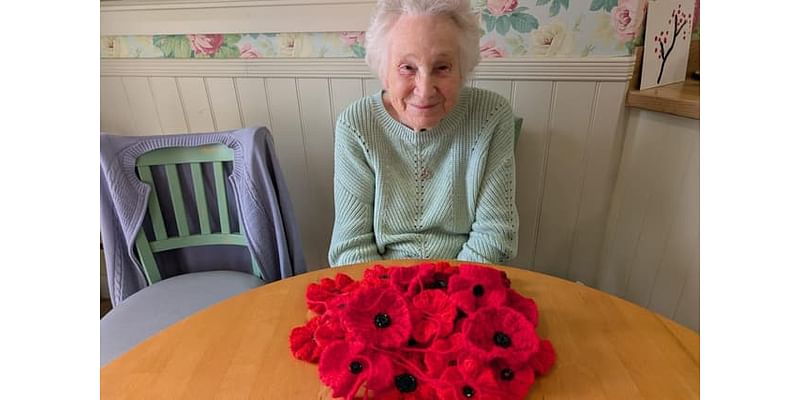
[(666, 42)]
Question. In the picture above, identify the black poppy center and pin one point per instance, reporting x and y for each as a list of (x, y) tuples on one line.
[(356, 367), (405, 383), (468, 391), (477, 290), (502, 340), (440, 284), (506, 374), (382, 320)]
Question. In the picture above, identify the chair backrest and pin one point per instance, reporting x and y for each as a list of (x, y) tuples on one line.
[(170, 159)]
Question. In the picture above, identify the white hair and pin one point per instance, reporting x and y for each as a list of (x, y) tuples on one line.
[(388, 12)]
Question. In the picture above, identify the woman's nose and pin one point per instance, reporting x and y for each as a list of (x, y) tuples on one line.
[(425, 86)]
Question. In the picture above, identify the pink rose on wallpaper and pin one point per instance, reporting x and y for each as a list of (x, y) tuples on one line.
[(500, 7), (247, 50), (205, 44), (628, 17), (489, 49), (351, 38)]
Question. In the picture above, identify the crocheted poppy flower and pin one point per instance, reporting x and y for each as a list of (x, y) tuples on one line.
[(302, 342), (421, 390), (475, 287), (318, 294), (500, 332), (524, 305), (330, 330), (468, 380), (514, 380), (378, 317), (444, 353), (401, 277), (346, 366), (543, 359), (431, 276), (377, 275), (432, 314)]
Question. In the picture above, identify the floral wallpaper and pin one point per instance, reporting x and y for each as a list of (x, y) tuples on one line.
[(511, 28)]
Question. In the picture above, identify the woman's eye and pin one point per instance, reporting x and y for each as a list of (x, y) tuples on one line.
[(406, 68), (443, 68)]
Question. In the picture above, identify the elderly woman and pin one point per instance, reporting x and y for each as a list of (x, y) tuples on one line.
[(424, 168)]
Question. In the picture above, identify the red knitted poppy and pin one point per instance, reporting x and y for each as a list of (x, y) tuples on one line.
[(304, 346), (431, 276), (400, 277), (512, 379), (443, 353), (475, 287), (433, 314), (524, 305), (500, 332), (430, 331), (345, 366), (378, 317), (544, 358), (317, 295)]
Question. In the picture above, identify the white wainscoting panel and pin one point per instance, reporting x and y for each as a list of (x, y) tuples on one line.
[(115, 113), (252, 99), (196, 107), (569, 128), (601, 161), (142, 105), (168, 104), (566, 156), (651, 254), (532, 102)]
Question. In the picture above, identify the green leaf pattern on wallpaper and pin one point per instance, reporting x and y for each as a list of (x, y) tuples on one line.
[(511, 28)]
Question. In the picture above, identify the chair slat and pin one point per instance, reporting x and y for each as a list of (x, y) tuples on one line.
[(152, 204), (146, 258), (222, 202), (177, 200), (198, 240), (200, 198)]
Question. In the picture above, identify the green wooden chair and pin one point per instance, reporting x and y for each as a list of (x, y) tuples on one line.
[(166, 301), (169, 159)]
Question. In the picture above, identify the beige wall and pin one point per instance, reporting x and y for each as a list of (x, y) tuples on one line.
[(651, 254)]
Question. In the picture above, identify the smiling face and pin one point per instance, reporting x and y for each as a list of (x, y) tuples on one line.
[(422, 75)]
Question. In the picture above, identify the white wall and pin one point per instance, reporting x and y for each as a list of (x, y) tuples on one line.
[(651, 254)]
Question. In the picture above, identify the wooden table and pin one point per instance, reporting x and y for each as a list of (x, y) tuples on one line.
[(607, 348)]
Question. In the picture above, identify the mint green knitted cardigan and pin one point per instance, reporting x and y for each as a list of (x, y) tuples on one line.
[(446, 192)]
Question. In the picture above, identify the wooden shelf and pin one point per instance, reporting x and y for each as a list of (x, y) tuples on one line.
[(682, 99)]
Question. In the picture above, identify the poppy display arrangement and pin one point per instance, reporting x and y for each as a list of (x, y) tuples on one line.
[(428, 331)]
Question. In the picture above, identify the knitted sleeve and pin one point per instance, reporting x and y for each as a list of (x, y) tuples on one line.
[(493, 235), (353, 239)]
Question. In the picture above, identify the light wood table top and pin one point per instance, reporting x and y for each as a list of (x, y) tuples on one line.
[(607, 348)]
